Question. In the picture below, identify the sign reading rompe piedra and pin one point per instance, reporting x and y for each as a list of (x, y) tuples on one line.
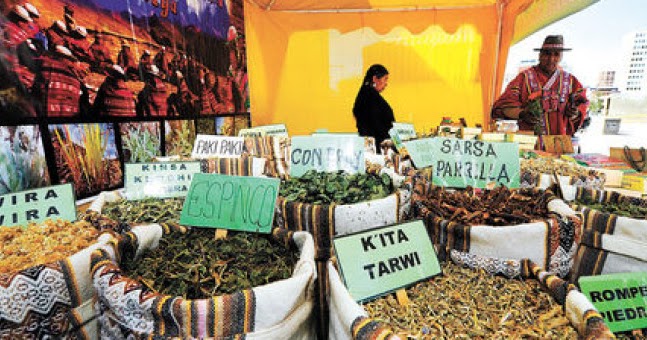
[(37, 205), (378, 261), (211, 146), (460, 163), (620, 298), (161, 180), (231, 202), (327, 152)]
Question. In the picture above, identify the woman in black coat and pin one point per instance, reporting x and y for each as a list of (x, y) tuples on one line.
[(373, 115)]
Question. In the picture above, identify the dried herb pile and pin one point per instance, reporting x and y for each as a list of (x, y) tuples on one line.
[(498, 207), (556, 166), (622, 208), (336, 187), (148, 210), (472, 304), (50, 241), (196, 266)]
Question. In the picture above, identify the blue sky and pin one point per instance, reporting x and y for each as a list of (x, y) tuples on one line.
[(595, 35)]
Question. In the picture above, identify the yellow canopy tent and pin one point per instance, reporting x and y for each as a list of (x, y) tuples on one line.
[(307, 58)]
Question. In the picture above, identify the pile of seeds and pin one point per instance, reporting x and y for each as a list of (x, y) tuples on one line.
[(622, 208), (196, 266), (336, 187), (497, 207), (149, 210), (48, 242), (472, 304)]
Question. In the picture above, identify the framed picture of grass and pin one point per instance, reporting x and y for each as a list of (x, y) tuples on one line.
[(140, 141), (22, 159), (179, 137), (86, 155)]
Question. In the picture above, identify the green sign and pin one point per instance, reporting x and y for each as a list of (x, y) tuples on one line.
[(326, 153), (403, 131), (231, 202), (379, 261), (211, 146), (37, 205), (264, 130), (163, 179), (620, 298), (460, 163)]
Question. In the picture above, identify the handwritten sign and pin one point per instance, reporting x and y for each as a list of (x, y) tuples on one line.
[(420, 151), (264, 130), (164, 179), (326, 153), (231, 202), (38, 205), (620, 298), (382, 260), (403, 131), (211, 146)]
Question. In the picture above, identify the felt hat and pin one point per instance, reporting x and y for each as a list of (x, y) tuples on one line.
[(117, 70), (153, 70), (82, 31), (64, 51), (33, 11), (22, 13), (553, 43)]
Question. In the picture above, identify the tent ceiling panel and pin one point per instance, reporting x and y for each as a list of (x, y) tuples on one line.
[(345, 5)]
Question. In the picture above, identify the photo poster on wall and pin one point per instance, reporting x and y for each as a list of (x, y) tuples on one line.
[(140, 141), (22, 159), (86, 156)]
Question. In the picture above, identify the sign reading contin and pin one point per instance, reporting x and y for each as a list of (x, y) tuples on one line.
[(379, 261), (460, 163), (231, 202), (163, 179), (37, 205), (264, 130), (620, 298), (326, 153), (210, 146)]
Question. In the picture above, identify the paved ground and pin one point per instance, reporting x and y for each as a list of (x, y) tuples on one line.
[(633, 132)]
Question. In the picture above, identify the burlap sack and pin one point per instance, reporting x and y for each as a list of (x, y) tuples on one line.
[(279, 310), (53, 300)]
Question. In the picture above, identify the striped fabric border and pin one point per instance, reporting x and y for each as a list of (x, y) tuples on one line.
[(229, 166), (364, 328), (590, 258)]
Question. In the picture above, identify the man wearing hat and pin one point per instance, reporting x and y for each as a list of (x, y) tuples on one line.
[(563, 100), (152, 100), (114, 98), (16, 30)]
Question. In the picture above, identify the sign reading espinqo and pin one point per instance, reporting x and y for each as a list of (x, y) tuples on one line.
[(264, 130), (379, 261), (231, 202), (620, 298), (161, 180), (211, 146), (326, 153), (37, 205), (460, 163)]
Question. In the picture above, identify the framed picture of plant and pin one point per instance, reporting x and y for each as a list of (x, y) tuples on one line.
[(179, 137), (140, 141), (86, 155), (22, 159)]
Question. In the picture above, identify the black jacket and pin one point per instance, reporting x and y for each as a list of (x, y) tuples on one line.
[(373, 115)]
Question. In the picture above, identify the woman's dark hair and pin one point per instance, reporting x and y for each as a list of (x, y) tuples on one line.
[(375, 70)]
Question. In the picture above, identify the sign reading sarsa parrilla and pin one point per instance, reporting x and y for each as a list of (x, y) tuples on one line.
[(160, 180), (231, 202), (460, 163), (211, 146), (37, 205), (326, 153)]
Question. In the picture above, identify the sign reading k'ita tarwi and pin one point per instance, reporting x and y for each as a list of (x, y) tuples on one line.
[(231, 202), (326, 153), (620, 298), (160, 180), (38, 205), (460, 163), (211, 146), (264, 130), (379, 261)]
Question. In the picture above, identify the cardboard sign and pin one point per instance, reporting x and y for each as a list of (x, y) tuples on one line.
[(379, 261), (420, 151), (264, 130), (327, 153), (161, 180), (37, 205), (460, 163), (211, 146), (620, 298), (231, 202), (404, 131)]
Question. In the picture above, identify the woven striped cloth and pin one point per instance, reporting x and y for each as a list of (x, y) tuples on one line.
[(229, 166)]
